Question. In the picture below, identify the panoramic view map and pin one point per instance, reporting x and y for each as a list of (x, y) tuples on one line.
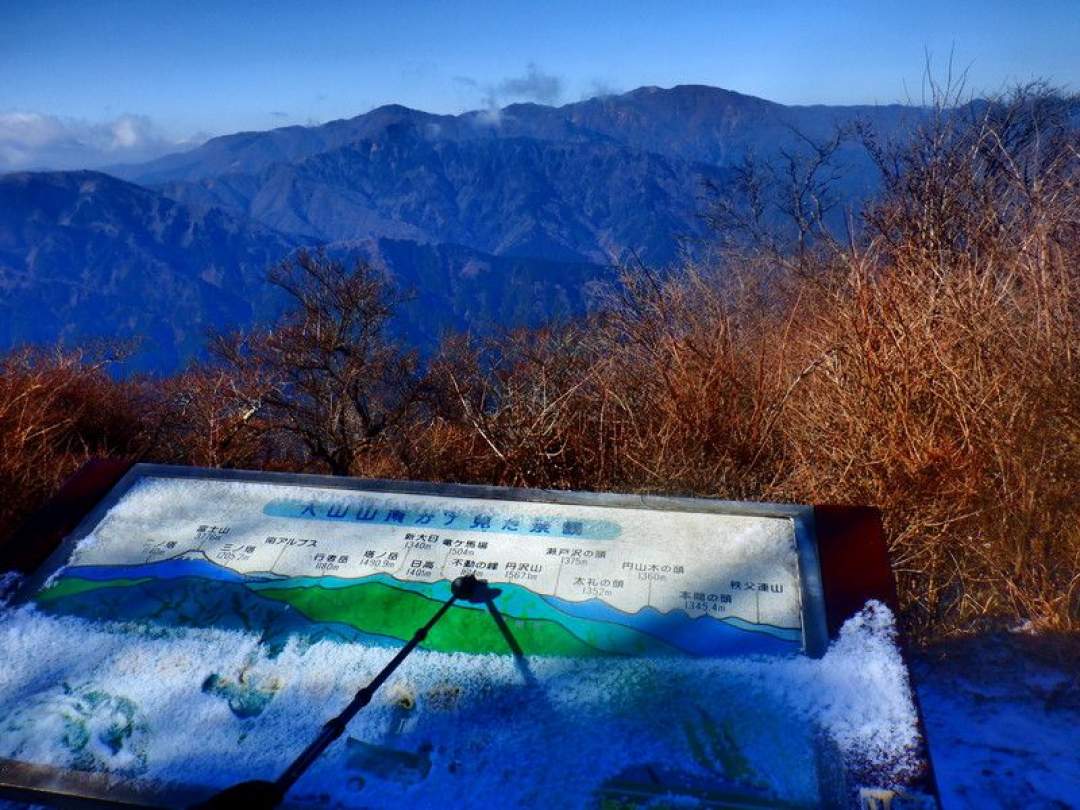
[(573, 580)]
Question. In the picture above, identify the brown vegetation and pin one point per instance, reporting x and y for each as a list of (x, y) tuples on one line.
[(58, 409), (929, 365), (325, 380)]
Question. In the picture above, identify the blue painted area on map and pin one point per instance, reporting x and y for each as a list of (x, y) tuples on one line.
[(165, 569), (701, 635), (436, 519)]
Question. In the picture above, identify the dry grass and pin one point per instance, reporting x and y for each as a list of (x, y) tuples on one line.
[(952, 394), (57, 409)]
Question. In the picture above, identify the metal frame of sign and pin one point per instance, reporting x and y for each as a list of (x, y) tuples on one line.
[(842, 562)]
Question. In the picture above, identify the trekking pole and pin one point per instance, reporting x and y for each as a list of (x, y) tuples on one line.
[(264, 794)]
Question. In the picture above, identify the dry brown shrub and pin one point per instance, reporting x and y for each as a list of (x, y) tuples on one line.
[(516, 411), (57, 409), (953, 396), (675, 387), (204, 417), (694, 376)]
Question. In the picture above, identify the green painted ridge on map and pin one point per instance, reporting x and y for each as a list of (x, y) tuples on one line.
[(72, 586), (518, 602), (376, 608)]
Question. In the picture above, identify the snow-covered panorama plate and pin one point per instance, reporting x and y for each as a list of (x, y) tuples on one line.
[(200, 626)]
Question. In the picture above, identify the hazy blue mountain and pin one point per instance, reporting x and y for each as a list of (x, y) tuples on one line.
[(493, 217), (84, 254), (564, 201), (591, 181), (246, 152), (458, 289)]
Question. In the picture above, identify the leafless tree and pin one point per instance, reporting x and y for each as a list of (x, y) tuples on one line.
[(327, 374)]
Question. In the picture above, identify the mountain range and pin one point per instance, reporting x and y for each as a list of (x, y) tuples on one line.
[(492, 218)]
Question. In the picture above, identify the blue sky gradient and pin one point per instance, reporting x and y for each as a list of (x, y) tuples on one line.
[(183, 70)]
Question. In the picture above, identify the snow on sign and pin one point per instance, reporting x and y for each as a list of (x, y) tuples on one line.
[(199, 626)]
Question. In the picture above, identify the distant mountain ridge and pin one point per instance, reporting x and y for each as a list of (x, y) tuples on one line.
[(695, 123), (547, 199)]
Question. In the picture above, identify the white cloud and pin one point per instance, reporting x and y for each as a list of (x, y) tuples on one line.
[(31, 140), (534, 85)]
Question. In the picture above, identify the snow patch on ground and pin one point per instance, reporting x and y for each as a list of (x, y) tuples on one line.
[(1002, 715)]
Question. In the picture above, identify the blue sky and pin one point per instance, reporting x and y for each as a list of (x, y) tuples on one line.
[(126, 78)]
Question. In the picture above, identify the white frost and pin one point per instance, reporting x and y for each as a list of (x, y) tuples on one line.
[(9, 584), (468, 725)]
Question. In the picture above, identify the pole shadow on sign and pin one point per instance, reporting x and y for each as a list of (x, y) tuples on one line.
[(261, 794)]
